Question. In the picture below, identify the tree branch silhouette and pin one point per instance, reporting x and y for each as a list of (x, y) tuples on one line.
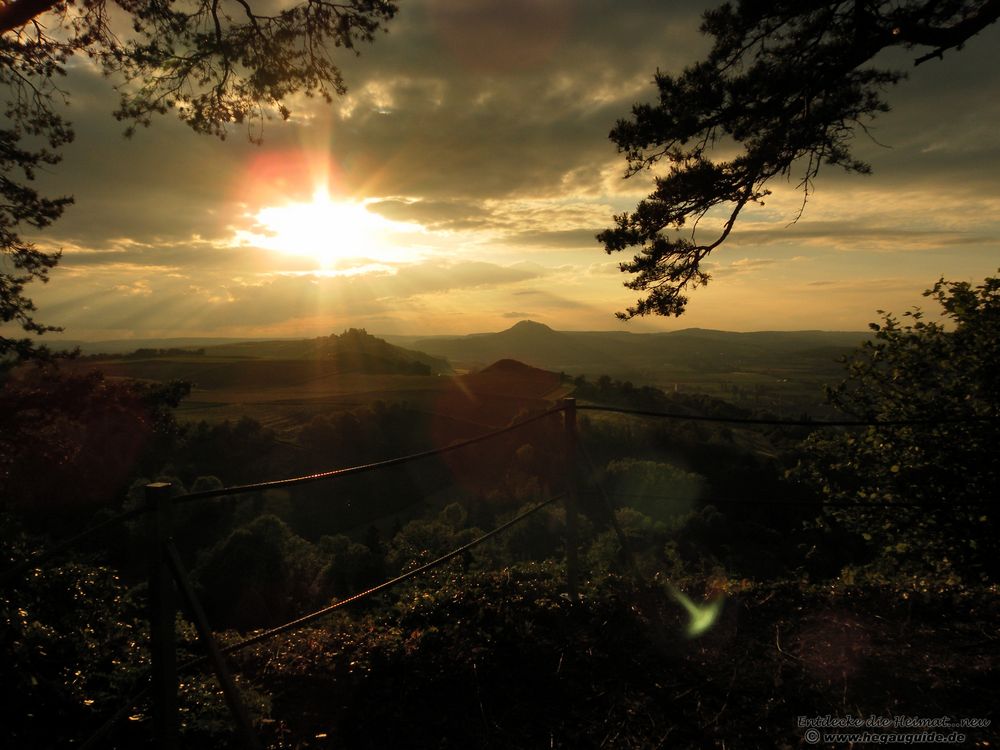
[(214, 63), (782, 92)]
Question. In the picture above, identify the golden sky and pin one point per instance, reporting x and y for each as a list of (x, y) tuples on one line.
[(460, 183)]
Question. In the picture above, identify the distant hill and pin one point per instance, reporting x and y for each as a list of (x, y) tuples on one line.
[(508, 367), (274, 364), (529, 342), (355, 350), (784, 371), (123, 346), (692, 350), (501, 376)]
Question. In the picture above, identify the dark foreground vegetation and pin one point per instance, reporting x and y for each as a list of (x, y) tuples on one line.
[(739, 602)]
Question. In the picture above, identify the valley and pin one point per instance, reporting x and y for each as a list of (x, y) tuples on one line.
[(283, 383)]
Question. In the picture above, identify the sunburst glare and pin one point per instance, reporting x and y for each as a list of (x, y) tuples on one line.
[(337, 234)]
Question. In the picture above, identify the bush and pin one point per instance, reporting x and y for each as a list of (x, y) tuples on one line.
[(929, 489)]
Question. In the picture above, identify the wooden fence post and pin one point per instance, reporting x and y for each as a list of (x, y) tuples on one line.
[(244, 723), (162, 610), (570, 503)]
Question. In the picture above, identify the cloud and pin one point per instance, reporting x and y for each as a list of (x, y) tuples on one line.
[(741, 266), (568, 238), (454, 214), (438, 277), (550, 300), (216, 301), (486, 122), (501, 36), (529, 109)]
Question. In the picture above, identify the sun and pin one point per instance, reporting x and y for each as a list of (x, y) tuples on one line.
[(335, 233)]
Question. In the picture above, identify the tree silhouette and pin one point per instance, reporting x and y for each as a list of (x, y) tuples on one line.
[(215, 63), (786, 85)]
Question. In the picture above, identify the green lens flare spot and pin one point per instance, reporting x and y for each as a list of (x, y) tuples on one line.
[(702, 616)]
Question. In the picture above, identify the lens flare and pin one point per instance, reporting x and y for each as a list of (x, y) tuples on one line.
[(702, 616)]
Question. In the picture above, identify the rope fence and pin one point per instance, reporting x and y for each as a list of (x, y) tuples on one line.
[(167, 571), (63, 545), (300, 622), (363, 468), (243, 489), (310, 618)]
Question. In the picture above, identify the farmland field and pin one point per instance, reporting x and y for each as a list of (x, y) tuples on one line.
[(284, 394)]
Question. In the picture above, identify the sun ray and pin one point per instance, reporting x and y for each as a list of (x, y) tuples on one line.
[(337, 234)]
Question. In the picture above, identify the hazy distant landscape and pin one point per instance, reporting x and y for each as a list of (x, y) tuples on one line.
[(282, 382), (782, 370)]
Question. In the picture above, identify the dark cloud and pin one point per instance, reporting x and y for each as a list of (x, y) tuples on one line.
[(501, 35), (165, 184), (941, 132), (486, 115), (441, 214), (484, 99), (839, 231), (465, 130)]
